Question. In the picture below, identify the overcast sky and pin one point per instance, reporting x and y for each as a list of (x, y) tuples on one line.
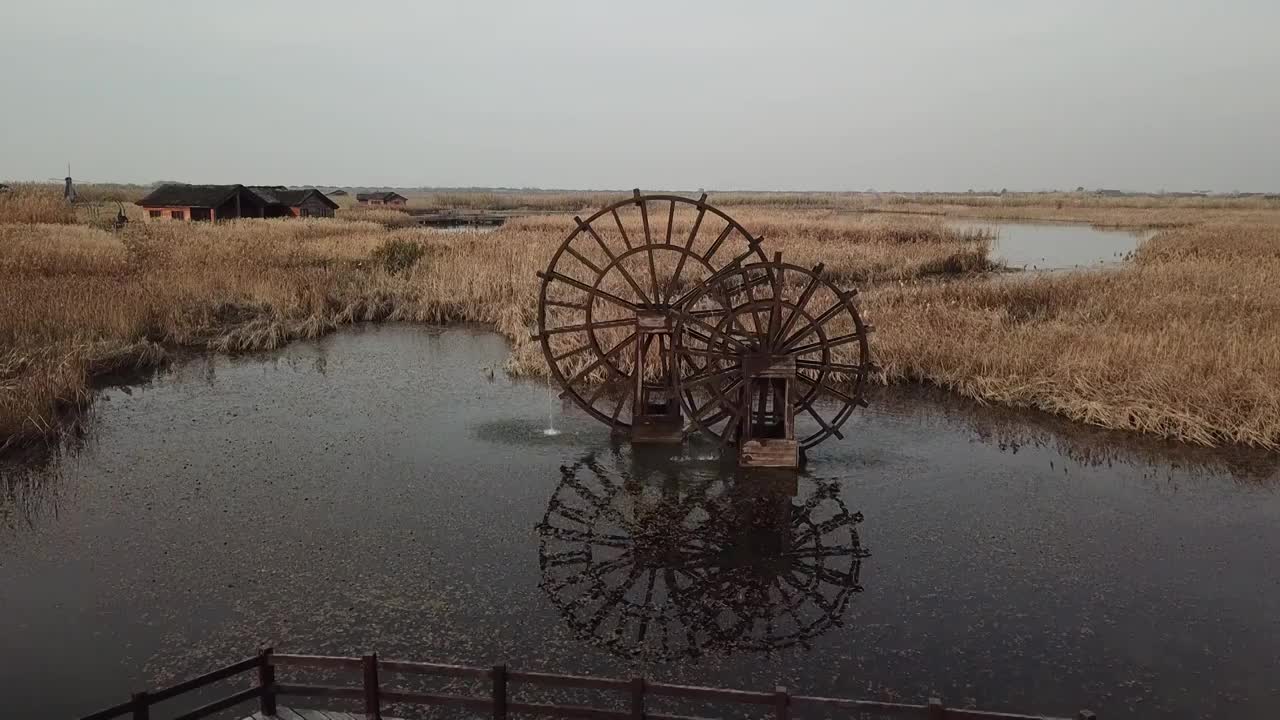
[(736, 95)]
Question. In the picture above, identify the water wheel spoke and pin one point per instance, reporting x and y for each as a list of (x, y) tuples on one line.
[(729, 269), (824, 574), (752, 310), (570, 353), (826, 366), (583, 259), (613, 260), (611, 601), (819, 530), (711, 251), (818, 553), (591, 291), (621, 230), (674, 285), (823, 387), (572, 535), (814, 324), (710, 353), (564, 304), (827, 343), (599, 391), (571, 514), (775, 314), (617, 410), (710, 377), (704, 338), (707, 312), (719, 397), (648, 240), (648, 598), (594, 325), (567, 557), (808, 407), (735, 420), (714, 332), (803, 301), (602, 360)]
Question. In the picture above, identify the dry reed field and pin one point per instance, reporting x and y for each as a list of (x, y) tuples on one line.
[(1181, 343)]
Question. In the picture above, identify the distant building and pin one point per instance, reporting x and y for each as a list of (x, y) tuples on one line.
[(299, 203), (228, 202), (381, 198), (339, 193)]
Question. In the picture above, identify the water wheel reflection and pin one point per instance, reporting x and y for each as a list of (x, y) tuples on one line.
[(662, 559)]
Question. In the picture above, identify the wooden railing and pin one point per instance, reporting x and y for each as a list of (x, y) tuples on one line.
[(498, 702)]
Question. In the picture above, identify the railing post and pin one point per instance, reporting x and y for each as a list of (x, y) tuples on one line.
[(266, 682), (372, 704), (936, 709), (637, 698), (141, 706), (781, 703), (499, 692), (1086, 715)]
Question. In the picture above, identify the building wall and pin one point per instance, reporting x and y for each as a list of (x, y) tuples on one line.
[(166, 213), (395, 201)]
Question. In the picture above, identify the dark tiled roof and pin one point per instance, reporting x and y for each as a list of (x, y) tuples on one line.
[(293, 198), (212, 196), (270, 194), (383, 196), (175, 195)]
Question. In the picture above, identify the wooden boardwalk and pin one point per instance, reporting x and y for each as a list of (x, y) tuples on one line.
[(284, 713), (496, 699)]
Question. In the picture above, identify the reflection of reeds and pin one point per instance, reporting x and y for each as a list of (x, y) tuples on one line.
[(1013, 429), (31, 490)]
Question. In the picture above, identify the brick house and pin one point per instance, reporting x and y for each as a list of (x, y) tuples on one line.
[(226, 202), (382, 198)]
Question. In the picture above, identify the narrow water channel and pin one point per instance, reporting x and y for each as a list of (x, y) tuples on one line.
[(380, 490)]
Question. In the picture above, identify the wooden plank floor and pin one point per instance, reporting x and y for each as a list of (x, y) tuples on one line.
[(284, 713)]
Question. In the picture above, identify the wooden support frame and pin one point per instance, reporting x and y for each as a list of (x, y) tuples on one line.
[(767, 438), (655, 415)]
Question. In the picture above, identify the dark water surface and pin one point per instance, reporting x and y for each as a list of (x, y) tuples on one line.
[(377, 490), (1055, 246)]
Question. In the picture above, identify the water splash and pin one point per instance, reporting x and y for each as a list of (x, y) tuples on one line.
[(551, 430)]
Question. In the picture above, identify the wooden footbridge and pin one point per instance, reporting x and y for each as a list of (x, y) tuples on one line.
[(502, 700)]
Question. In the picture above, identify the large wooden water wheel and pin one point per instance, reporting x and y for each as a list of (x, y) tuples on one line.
[(605, 317), (772, 357)]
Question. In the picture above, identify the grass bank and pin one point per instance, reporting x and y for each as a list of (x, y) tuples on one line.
[(1182, 343), (77, 301), (1179, 344)]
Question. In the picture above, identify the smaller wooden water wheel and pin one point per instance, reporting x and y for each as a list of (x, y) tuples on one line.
[(771, 357), (606, 300)]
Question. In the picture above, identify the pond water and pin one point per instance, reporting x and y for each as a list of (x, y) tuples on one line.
[(380, 490), (1056, 246)]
